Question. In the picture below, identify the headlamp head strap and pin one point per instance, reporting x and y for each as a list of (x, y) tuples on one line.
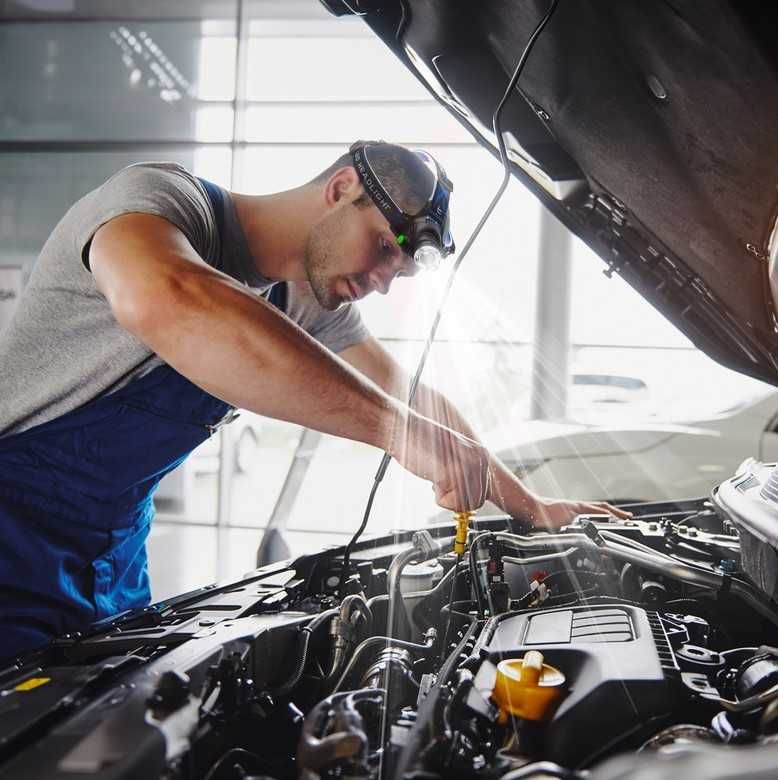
[(430, 225), (382, 199)]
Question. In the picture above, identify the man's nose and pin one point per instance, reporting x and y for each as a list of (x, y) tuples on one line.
[(382, 278)]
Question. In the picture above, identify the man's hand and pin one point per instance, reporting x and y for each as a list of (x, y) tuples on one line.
[(504, 488), (507, 491), (551, 514), (458, 467)]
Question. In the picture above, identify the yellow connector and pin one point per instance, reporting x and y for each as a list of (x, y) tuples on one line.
[(463, 525)]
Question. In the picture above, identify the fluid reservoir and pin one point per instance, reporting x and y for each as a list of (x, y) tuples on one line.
[(420, 576), (527, 688), (417, 578)]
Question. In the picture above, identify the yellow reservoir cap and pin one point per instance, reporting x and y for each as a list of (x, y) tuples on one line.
[(526, 687)]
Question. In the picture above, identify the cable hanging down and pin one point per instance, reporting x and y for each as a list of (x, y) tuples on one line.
[(386, 459)]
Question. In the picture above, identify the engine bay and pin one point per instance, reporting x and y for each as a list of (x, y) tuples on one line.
[(596, 649)]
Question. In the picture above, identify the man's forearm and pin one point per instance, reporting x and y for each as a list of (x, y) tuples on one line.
[(226, 339), (240, 349), (506, 490)]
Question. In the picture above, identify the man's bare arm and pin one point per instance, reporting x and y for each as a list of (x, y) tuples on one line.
[(506, 490), (225, 338), (239, 348)]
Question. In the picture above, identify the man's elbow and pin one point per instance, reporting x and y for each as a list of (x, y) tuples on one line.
[(147, 309), (144, 267)]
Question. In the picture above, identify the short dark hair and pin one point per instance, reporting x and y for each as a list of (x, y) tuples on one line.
[(402, 174)]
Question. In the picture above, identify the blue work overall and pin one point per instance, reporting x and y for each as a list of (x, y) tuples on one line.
[(76, 501), (76, 504)]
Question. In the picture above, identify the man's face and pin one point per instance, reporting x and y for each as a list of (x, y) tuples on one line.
[(350, 253)]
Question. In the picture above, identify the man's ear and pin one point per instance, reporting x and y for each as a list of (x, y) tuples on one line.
[(344, 183)]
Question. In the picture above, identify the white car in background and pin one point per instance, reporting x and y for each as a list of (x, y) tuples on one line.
[(669, 459)]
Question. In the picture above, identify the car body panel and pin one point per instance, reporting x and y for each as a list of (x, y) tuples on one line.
[(655, 462)]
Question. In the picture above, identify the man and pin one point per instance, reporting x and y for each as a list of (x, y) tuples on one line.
[(143, 324)]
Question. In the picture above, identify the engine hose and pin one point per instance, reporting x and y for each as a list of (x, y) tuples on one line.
[(319, 747), (302, 654), (398, 621), (351, 608), (542, 769), (419, 734), (380, 640)]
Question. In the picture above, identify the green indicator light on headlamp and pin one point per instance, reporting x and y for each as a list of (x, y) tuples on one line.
[(401, 238)]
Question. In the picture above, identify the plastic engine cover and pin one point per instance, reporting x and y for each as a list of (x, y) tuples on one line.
[(615, 659)]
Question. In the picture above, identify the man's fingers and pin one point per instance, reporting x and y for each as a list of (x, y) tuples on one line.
[(455, 501), (615, 511), (464, 484), (457, 466), (449, 499), (602, 506)]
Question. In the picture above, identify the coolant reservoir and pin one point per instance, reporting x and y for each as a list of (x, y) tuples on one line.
[(527, 688), (420, 576)]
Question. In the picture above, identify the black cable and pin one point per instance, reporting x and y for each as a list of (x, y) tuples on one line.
[(302, 654), (355, 538), (474, 576), (354, 11), (522, 62), (233, 753), (476, 231), (444, 644)]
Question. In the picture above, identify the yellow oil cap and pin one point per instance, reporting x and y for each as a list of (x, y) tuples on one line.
[(526, 687)]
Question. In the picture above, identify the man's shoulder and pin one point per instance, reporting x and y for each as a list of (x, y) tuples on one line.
[(164, 189), (172, 173)]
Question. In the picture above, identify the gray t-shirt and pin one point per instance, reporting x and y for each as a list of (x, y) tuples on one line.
[(63, 346)]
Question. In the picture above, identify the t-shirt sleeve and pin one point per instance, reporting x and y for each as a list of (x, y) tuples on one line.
[(161, 189), (336, 330)]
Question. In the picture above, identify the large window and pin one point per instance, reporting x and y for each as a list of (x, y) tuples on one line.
[(260, 96)]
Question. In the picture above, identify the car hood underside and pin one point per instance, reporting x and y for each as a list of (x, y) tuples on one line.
[(647, 128)]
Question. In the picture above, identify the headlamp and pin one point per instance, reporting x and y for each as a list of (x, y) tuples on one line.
[(425, 235)]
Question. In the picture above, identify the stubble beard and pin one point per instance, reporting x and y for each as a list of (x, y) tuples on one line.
[(318, 259)]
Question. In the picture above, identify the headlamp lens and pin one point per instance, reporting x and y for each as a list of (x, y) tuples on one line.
[(427, 257)]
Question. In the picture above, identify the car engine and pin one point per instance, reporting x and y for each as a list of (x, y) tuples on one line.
[(639, 648)]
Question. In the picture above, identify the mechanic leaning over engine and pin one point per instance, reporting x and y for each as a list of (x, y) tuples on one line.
[(159, 303)]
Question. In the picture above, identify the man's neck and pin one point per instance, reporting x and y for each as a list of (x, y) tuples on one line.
[(276, 229)]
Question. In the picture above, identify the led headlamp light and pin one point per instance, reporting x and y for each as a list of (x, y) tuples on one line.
[(424, 236)]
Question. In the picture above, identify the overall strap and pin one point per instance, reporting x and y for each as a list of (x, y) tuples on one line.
[(278, 292), (277, 296), (217, 204)]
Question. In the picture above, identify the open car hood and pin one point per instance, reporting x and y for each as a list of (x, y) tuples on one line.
[(648, 129)]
